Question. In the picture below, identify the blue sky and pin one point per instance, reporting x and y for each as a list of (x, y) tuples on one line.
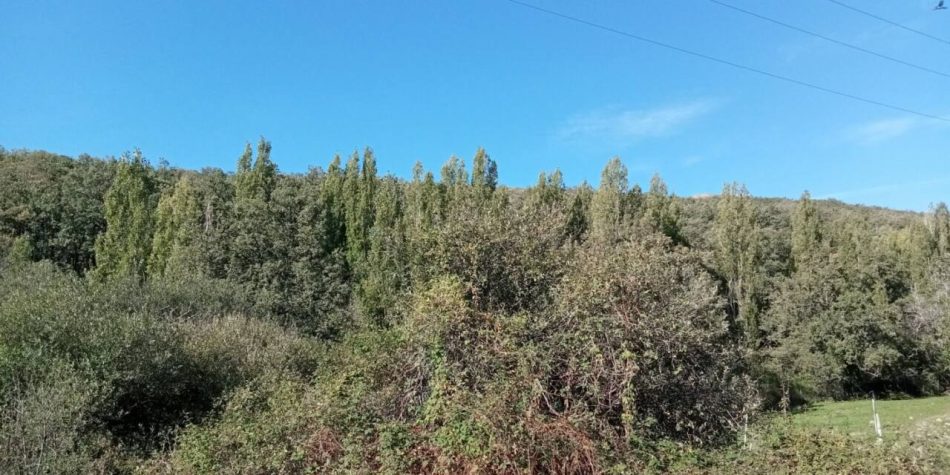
[(191, 82)]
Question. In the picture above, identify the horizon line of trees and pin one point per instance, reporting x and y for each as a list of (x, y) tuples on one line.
[(821, 298)]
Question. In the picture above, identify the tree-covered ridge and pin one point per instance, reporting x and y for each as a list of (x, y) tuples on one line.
[(340, 320)]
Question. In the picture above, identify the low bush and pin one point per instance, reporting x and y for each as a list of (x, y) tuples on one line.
[(81, 362), (43, 420), (635, 354)]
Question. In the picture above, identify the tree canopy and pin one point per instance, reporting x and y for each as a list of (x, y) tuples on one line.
[(341, 320)]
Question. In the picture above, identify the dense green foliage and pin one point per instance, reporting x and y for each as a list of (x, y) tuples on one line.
[(163, 320)]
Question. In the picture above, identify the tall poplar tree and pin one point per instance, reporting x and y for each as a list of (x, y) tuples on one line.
[(484, 175), (806, 232), (660, 212), (253, 216), (333, 198), (606, 208), (738, 254), (320, 287), (124, 248), (242, 175), (453, 184), (387, 267), (422, 207), (360, 192), (216, 191), (578, 216), (423, 212), (548, 192), (915, 250), (178, 227), (940, 228)]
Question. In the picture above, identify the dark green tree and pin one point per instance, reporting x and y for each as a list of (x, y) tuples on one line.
[(256, 237), (216, 193), (806, 232), (484, 174), (360, 193), (660, 211), (57, 202), (333, 198), (387, 262), (320, 289), (423, 212), (578, 216)]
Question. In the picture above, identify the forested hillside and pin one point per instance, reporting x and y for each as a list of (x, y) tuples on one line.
[(161, 320)]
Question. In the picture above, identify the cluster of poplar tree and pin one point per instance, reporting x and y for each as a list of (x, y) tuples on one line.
[(829, 300)]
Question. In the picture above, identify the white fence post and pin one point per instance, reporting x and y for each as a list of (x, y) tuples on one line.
[(876, 420), (745, 432)]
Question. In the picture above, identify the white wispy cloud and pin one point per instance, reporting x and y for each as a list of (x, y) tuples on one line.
[(884, 129), (884, 189), (628, 125), (881, 130), (693, 160)]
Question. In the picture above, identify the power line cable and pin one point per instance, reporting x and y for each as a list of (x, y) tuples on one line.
[(890, 22), (728, 63), (829, 39)]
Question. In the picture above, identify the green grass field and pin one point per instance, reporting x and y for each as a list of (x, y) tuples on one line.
[(900, 419), (839, 437)]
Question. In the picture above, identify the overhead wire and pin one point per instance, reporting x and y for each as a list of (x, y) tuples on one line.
[(890, 22), (829, 39), (726, 62)]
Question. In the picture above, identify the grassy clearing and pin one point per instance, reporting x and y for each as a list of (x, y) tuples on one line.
[(838, 437), (900, 419)]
